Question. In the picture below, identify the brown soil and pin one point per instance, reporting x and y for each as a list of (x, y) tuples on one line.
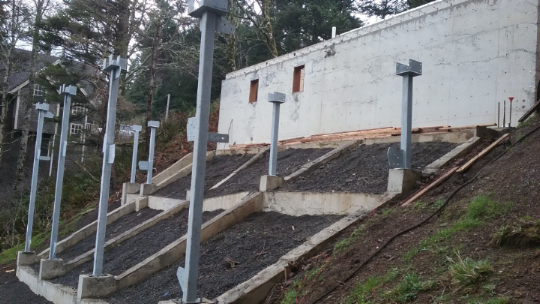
[(255, 243), (289, 161), (216, 170), (510, 181), (134, 250), (364, 169)]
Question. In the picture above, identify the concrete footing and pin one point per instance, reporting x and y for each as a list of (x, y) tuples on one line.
[(269, 182), (26, 258), (129, 188), (147, 189), (402, 180), (49, 269), (95, 286)]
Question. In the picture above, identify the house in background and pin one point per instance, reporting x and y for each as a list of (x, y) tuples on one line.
[(20, 93)]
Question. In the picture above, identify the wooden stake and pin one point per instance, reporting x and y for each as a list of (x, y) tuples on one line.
[(483, 153), (437, 182)]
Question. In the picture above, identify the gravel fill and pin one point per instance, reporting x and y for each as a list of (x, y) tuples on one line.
[(216, 170), (255, 243), (289, 161), (136, 249), (120, 226), (364, 169)]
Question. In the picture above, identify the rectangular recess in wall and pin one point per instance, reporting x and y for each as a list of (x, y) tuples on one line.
[(253, 90), (298, 78)]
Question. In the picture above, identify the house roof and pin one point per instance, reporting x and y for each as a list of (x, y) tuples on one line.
[(21, 66), (21, 69)]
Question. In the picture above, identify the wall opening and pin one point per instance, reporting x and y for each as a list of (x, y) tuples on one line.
[(298, 78), (253, 91)]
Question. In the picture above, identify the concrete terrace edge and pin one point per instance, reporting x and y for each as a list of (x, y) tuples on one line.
[(55, 293), (87, 256), (176, 250), (257, 288), (87, 230)]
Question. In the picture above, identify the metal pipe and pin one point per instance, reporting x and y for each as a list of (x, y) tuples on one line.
[(167, 110), (136, 129), (42, 109), (67, 92), (499, 115), (115, 67), (510, 117), (504, 114), (153, 126)]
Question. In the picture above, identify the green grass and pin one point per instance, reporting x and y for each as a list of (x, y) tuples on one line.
[(11, 254), (529, 121), (345, 243), (480, 208), (408, 289), (363, 290), (503, 300), (467, 271)]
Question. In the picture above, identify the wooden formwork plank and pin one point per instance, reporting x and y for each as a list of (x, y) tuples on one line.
[(483, 153)]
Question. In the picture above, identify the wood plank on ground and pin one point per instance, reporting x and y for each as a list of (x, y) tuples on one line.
[(483, 153), (437, 182)]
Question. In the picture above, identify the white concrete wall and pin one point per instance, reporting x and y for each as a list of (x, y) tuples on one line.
[(475, 53)]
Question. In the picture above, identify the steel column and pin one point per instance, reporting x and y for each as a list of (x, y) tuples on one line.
[(115, 67), (406, 120), (401, 158), (43, 111), (136, 129), (277, 99), (153, 125), (67, 92)]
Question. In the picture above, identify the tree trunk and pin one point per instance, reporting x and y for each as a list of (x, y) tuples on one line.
[(152, 85), (4, 127), (19, 175)]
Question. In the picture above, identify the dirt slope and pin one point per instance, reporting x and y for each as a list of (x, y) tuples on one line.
[(482, 247)]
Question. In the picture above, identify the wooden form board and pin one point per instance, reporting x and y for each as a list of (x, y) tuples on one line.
[(483, 153), (437, 182)]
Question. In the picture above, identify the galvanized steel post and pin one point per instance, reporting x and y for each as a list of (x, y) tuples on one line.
[(115, 67), (153, 125), (43, 112), (67, 92), (401, 158), (209, 12), (136, 129), (277, 99)]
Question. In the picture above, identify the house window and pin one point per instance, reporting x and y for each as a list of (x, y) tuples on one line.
[(253, 91), (77, 109), (298, 78), (75, 128), (38, 90), (44, 149)]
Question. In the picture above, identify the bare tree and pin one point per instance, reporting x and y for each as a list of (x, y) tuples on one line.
[(15, 18)]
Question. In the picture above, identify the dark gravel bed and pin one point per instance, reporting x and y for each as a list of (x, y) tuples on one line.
[(255, 243), (120, 226), (13, 291), (289, 161), (134, 250), (216, 170), (364, 169)]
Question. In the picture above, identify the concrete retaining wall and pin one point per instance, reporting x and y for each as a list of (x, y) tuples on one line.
[(302, 203), (475, 53)]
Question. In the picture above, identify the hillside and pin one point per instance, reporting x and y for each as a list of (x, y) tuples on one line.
[(473, 239)]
